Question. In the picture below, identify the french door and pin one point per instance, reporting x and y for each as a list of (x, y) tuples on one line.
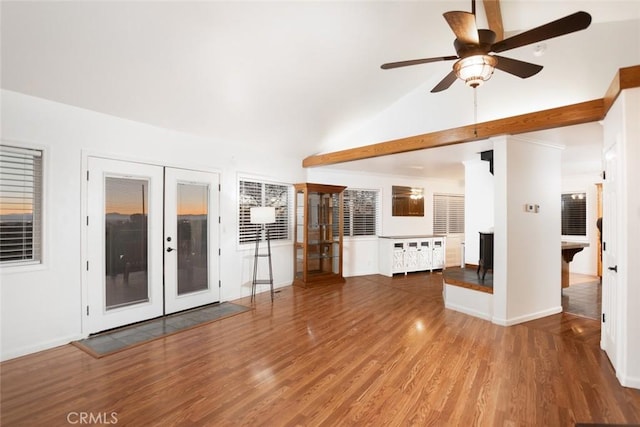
[(191, 245), (152, 241)]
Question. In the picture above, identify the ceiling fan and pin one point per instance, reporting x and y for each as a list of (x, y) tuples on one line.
[(476, 48)]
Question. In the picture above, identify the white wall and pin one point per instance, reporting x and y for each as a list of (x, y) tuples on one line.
[(622, 125), (479, 206), (361, 254), (41, 307), (631, 323), (527, 267), (585, 261)]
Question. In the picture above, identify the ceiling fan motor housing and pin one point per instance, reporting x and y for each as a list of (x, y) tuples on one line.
[(486, 39)]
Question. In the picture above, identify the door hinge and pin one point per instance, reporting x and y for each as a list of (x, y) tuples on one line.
[(604, 175), (219, 251), (87, 175), (603, 319), (604, 246), (219, 187), (87, 219), (87, 265), (219, 220), (219, 283), (87, 310)]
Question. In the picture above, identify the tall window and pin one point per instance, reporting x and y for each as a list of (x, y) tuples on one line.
[(20, 205), (263, 194), (361, 212), (448, 213), (574, 214)]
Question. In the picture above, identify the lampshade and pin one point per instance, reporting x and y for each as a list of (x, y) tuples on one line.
[(476, 69), (263, 215)]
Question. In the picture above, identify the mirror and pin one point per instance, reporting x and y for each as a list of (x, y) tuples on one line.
[(407, 201)]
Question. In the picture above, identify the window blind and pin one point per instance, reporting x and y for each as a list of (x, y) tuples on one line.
[(574, 214), (361, 212), (448, 213), (262, 194), (20, 205)]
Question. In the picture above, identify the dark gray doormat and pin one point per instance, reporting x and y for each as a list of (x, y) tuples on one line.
[(113, 341)]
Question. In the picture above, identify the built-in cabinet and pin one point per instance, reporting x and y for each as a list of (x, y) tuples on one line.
[(318, 234), (405, 254)]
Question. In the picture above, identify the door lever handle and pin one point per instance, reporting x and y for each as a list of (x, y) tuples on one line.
[(614, 268), (170, 249)]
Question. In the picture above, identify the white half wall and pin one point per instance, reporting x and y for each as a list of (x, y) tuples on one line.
[(527, 254)]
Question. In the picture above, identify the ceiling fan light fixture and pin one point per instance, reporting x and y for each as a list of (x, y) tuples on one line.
[(475, 70)]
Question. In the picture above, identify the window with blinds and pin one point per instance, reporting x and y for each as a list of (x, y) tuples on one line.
[(263, 194), (448, 213), (574, 214), (361, 212), (20, 205)]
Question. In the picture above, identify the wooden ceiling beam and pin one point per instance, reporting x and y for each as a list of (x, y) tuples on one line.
[(494, 17), (574, 114)]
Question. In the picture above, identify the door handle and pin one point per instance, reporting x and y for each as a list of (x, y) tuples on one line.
[(170, 249), (614, 268)]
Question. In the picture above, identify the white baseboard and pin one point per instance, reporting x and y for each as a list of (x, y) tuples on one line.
[(631, 382), (527, 317), (23, 351), (469, 311)]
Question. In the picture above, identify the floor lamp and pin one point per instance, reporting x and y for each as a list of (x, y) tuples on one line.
[(262, 216)]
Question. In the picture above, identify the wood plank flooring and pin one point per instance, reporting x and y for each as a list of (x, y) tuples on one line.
[(374, 351)]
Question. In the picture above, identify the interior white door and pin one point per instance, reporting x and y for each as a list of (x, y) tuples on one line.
[(610, 253), (191, 239), (124, 250)]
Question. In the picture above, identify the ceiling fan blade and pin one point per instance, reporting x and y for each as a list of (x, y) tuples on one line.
[(416, 62), (569, 24), (494, 17), (516, 67), (445, 83), (463, 25)]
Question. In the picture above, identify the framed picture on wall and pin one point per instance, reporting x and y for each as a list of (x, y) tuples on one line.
[(407, 201)]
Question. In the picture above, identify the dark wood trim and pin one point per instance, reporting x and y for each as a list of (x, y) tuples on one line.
[(568, 115), (468, 285)]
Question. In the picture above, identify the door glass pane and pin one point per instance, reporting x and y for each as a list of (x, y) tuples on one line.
[(193, 202), (126, 241)]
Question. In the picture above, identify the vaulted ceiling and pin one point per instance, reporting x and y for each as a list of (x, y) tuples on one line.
[(302, 76)]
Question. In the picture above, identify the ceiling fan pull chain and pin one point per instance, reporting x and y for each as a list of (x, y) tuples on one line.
[(475, 112)]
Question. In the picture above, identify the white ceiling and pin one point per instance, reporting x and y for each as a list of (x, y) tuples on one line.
[(300, 76)]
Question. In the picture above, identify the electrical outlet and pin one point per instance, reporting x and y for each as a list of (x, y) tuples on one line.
[(531, 208)]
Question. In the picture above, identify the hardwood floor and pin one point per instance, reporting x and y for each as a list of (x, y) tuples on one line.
[(374, 351)]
